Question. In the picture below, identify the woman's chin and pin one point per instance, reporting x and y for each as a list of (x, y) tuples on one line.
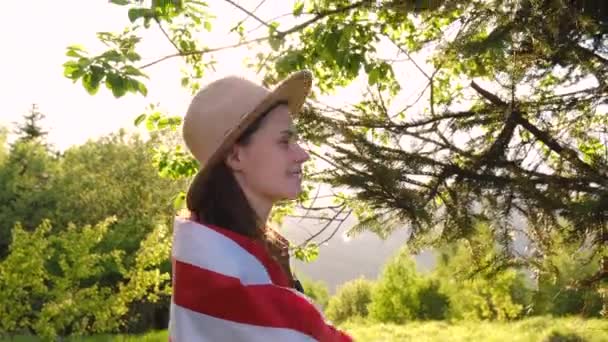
[(289, 195)]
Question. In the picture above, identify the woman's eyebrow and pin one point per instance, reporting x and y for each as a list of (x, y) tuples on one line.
[(290, 131)]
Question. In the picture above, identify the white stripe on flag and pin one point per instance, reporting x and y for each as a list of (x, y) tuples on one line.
[(205, 248), (197, 327)]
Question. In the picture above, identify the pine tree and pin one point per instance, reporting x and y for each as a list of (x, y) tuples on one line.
[(30, 129)]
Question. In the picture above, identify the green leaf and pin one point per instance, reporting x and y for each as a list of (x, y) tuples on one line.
[(136, 13), (298, 8), (373, 76), (117, 84), (180, 199), (185, 81), (150, 125), (175, 121), (133, 56), (142, 88), (120, 2), (154, 117), (72, 70), (307, 253), (200, 3), (91, 80), (152, 120), (112, 55), (272, 27), (207, 26), (133, 71), (163, 123), (84, 62), (77, 47), (139, 119), (275, 42), (183, 45), (147, 22), (73, 53)]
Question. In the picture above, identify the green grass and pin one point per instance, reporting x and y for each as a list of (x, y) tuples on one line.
[(156, 336), (537, 329)]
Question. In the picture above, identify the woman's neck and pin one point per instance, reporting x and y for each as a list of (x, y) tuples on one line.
[(260, 204)]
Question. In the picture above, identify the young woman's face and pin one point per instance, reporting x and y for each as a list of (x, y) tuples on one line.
[(270, 165)]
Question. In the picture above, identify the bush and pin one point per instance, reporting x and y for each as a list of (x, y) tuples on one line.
[(351, 301), (568, 264), (49, 284), (477, 288), (483, 298), (396, 296), (559, 301), (317, 291), (434, 305)]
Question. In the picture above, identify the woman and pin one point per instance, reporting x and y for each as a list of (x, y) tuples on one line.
[(231, 275)]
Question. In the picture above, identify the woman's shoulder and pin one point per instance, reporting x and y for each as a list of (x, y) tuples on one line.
[(214, 249)]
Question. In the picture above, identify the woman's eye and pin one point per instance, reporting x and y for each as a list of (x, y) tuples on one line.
[(289, 140), (294, 139)]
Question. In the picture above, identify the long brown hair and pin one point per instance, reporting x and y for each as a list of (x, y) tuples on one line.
[(221, 201)]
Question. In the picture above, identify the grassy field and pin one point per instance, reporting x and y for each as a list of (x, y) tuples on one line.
[(538, 329), (157, 336)]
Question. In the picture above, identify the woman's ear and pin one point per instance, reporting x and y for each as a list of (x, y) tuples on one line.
[(234, 158)]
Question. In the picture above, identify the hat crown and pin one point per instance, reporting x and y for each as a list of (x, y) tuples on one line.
[(215, 110)]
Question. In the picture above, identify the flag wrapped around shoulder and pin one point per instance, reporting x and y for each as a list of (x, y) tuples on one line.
[(226, 287)]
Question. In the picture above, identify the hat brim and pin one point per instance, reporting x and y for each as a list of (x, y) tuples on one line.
[(294, 90)]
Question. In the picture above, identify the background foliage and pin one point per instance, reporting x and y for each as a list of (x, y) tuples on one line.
[(502, 145)]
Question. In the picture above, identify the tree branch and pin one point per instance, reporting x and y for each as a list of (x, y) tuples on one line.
[(415, 101), (336, 229), (320, 218), (279, 34), (322, 15), (566, 152), (204, 51), (330, 220), (167, 36), (251, 14), (408, 56), (488, 96), (271, 20), (313, 201), (330, 207), (414, 124)]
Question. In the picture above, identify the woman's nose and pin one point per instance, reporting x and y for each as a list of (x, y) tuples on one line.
[(302, 155)]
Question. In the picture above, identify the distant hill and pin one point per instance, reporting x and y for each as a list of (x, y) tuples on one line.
[(342, 260), (364, 255)]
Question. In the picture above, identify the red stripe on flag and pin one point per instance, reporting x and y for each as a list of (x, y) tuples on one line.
[(224, 297)]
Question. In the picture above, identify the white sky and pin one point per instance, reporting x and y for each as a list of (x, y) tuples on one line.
[(32, 58), (32, 70)]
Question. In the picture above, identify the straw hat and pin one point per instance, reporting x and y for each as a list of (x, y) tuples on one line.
[(221, 111)]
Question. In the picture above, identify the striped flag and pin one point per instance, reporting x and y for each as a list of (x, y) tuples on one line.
[(226, 287)]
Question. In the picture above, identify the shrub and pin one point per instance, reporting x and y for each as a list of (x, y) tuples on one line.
[(351, 301), (396, 296), (49, 284), (317, 291)]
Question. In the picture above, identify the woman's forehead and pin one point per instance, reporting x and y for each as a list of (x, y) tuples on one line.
[(280, 118)]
